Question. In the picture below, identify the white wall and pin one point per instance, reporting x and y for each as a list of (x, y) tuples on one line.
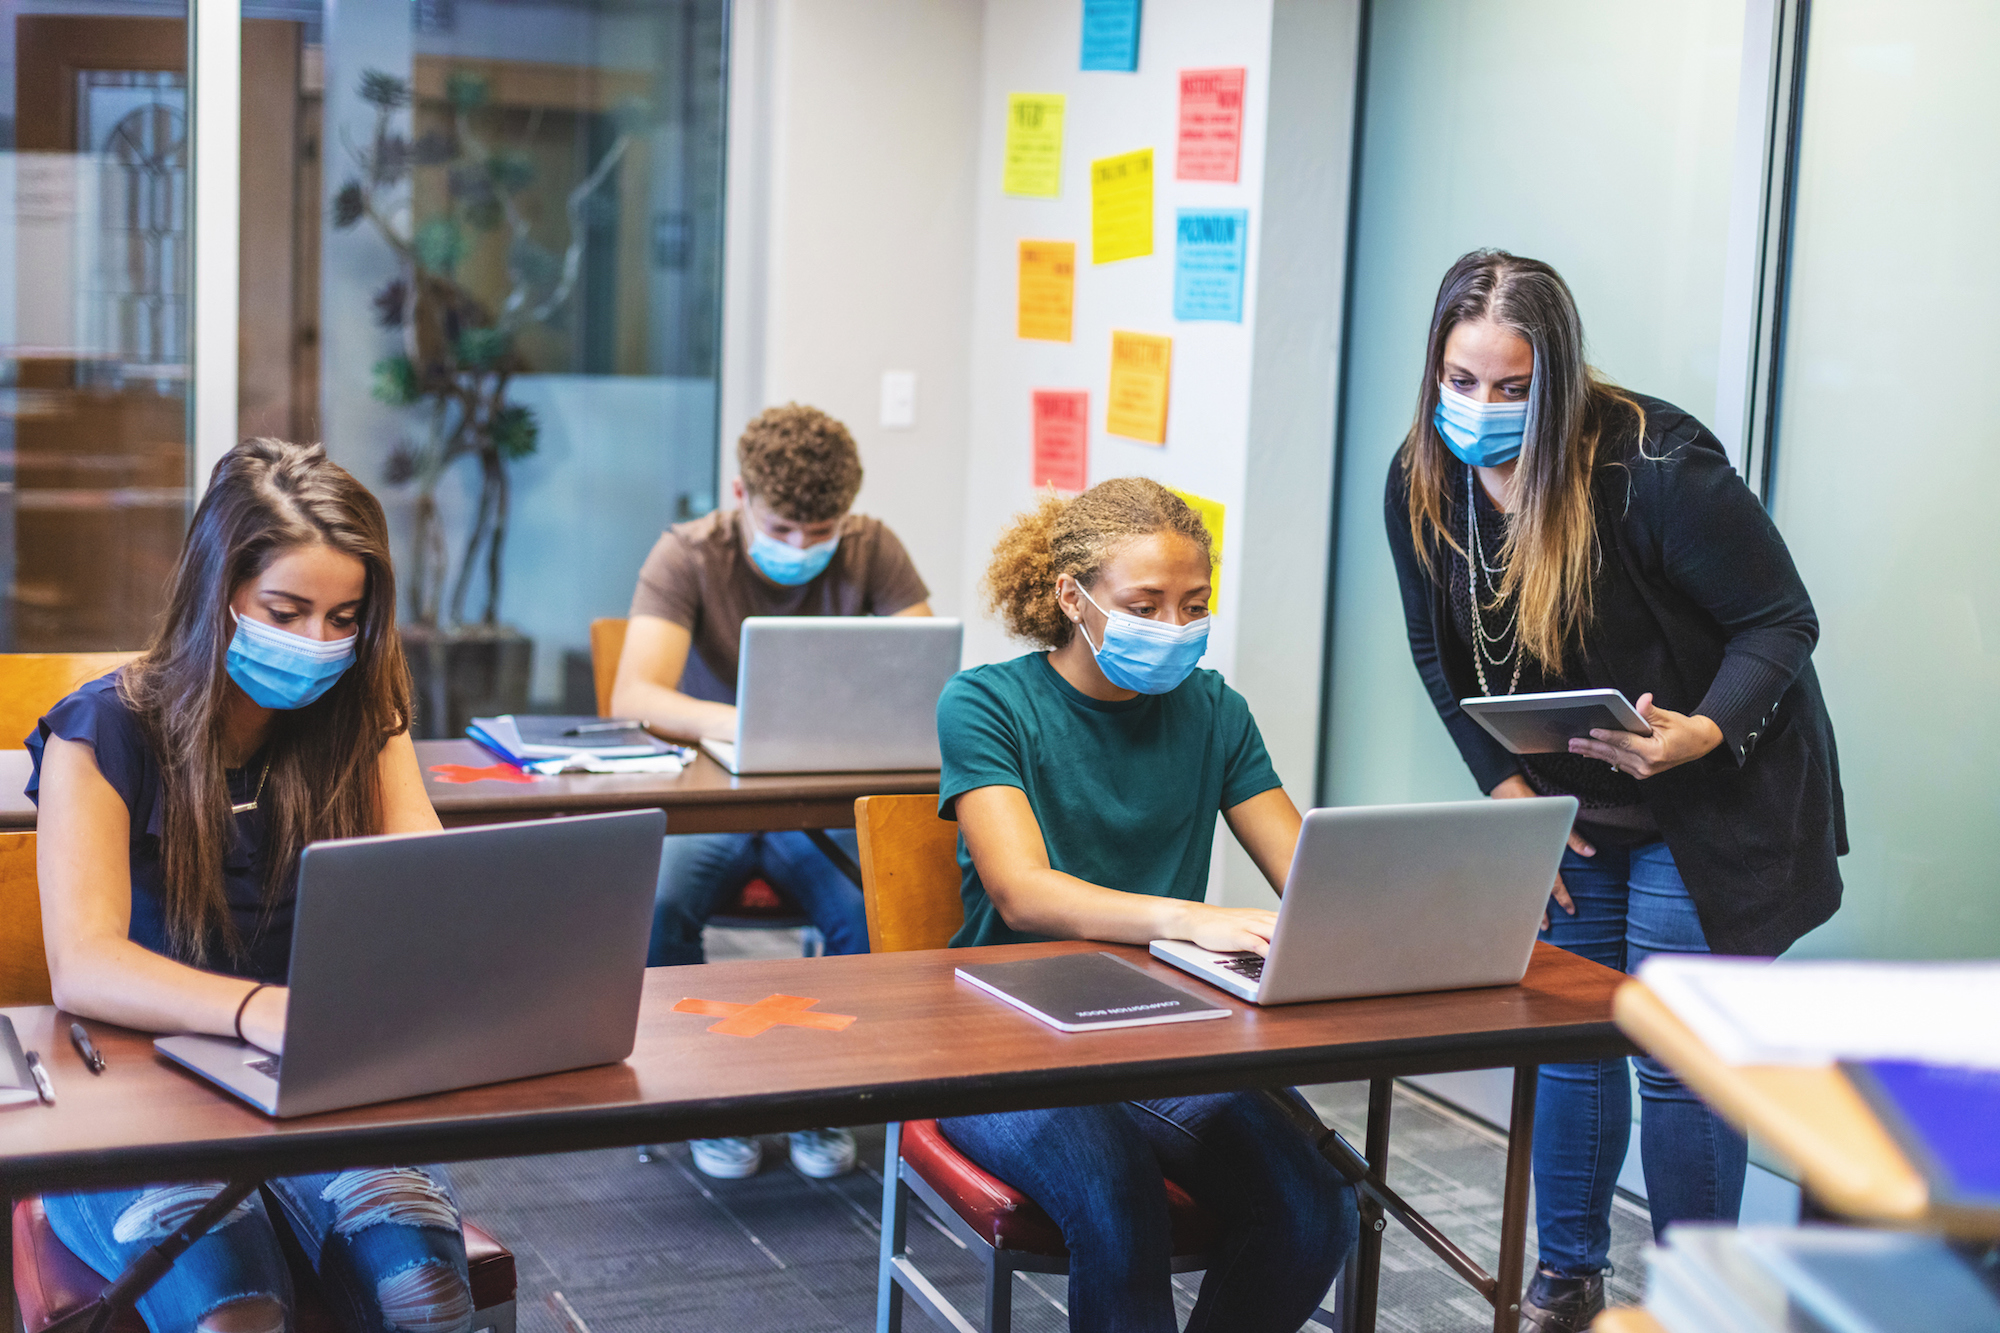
[(1251, 407), (852, 125)]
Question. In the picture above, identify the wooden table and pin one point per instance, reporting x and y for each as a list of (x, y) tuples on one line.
[(1811, 1117), (923, 1045), (703, 798)]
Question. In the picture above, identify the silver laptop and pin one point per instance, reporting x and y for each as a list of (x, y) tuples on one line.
[(839, 694), (1389, 899), (432, 961)]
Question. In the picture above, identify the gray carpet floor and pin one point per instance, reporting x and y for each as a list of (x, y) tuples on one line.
[(659, 1248)]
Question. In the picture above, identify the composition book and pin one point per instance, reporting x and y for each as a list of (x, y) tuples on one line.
[(1082, 992)]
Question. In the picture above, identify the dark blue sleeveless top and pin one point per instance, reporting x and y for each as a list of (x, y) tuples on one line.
[(96, 716)]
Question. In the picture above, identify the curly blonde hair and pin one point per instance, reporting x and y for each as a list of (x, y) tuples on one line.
[(1076, 537), (801, 462)]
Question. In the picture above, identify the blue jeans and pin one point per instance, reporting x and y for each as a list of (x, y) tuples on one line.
[(1630, 904), (699, 872), (1288, 1219), (385, 1242)]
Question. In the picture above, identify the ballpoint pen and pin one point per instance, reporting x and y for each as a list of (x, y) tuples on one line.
[(86, 1048), (590, 728), (43, 1086)]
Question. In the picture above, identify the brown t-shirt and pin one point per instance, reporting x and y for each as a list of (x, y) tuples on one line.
[(699, 576)]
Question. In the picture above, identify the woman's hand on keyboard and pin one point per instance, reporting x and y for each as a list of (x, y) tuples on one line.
[(1230, 929)]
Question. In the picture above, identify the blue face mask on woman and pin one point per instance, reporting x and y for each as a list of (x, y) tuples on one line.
[(279, 669), (1481, 434), (789, 565), (1146, 655)]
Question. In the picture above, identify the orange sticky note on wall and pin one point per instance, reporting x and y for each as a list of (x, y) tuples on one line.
[(1140, 366), (1062, 439), (1047, 290)]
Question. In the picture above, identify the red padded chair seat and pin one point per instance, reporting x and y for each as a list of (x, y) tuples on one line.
[(50, 1281), (759, 904), (1009, 1218)]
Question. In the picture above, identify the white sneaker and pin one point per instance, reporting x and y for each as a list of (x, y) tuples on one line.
[(823, 1153), (729, 1159)]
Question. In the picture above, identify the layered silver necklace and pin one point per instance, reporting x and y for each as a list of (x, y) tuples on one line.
[(1482, 642)]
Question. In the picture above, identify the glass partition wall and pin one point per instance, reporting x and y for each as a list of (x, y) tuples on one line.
[(94, 321), (1884, 471), (480, 258)]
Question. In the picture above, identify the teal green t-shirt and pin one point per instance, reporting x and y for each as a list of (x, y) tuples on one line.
[(1126, 793)]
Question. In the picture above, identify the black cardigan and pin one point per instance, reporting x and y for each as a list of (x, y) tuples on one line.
[(1697, 601)]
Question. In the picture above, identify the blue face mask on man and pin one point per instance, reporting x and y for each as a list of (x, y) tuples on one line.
[(279, 669), (1481, 434), (789, 565), (1146, 655)]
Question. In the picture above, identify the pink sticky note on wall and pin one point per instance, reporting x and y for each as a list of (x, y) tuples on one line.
[(1211, 137), (1062, 438)]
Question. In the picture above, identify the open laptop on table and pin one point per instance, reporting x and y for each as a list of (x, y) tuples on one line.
[(839, 694), (1392, 899), (431, 961)]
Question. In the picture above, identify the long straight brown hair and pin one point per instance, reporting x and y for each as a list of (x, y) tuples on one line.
[(1551, 548), (264, 498)]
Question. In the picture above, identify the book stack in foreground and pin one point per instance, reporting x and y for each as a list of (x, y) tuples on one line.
[(1718, 1279)]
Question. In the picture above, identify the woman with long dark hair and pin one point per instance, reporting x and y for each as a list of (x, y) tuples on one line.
[(1551, 531), (271, 710)]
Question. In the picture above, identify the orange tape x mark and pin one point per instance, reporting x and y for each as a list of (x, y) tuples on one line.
[(750, 1020), (491, 773)]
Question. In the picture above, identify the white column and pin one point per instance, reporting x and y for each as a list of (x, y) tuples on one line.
[(215, 79)]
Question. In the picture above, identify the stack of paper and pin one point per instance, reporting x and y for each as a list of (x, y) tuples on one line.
[(1752, 1012), (1714, 1279), (576, 745)]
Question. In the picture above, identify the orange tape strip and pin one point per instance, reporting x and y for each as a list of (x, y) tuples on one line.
[(491, 773), (751, 1020)]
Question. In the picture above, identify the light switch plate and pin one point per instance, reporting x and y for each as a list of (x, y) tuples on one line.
[(899, 399)]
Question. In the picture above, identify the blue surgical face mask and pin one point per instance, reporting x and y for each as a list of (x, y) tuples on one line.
[(1146, 655), (1481, 434), (789, 565), (279, 669)]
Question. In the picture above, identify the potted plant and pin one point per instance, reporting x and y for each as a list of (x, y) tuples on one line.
[(458, 349)]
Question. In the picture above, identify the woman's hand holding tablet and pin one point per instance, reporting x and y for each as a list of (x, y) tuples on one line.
[(1670, 740)]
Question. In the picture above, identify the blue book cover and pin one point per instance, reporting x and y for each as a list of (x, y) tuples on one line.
[(1943, 1118)]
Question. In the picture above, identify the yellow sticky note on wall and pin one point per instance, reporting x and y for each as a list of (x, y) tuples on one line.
[(1033, 163), (1211, 518), (1048, 290), (1140, 366), (1121, 206)]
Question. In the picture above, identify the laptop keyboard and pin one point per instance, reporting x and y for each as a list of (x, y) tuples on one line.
[(268, 1065), (1247, 965)]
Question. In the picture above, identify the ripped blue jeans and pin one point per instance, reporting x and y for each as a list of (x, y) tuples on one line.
[(385, 1242)]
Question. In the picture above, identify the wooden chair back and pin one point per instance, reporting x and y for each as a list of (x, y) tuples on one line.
[(607, 641), (24, 964), (909, 873), (33, 683)]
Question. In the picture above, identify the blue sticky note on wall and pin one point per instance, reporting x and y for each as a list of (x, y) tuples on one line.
[(1111, 35), (1209, 245)]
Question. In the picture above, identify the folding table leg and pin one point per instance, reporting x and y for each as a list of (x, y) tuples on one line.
[(10, 1317), (895, 1224), (1514, 1204), (1362, 1278)]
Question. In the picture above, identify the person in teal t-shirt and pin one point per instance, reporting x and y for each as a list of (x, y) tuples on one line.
[(1086, 780)]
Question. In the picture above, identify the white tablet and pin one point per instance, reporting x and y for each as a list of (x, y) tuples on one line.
[(1546, 723)]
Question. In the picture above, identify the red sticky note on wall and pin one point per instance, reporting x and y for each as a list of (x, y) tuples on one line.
[(1211, 138), (1062, 438)]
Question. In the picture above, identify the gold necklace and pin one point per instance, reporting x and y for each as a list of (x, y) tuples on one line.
[(247, 806)]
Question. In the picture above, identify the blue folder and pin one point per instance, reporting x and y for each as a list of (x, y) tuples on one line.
[(1944, 1120)]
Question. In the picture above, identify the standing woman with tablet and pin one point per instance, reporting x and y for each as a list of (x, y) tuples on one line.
[(271, 710), (1086, 780), (1552, 532)]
